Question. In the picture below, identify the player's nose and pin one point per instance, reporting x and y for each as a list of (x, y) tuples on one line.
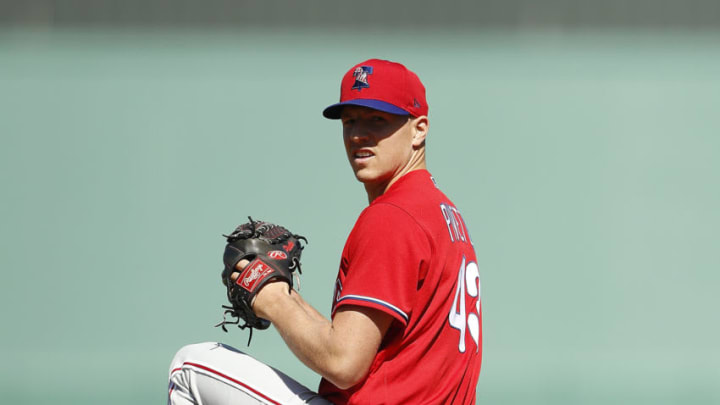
[(357, 134)]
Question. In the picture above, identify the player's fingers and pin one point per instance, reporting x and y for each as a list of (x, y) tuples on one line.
[(241, 264)]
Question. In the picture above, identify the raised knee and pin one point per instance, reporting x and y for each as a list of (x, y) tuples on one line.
[(191, 353)]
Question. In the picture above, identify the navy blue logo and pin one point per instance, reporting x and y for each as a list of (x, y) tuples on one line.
[(361, 77)]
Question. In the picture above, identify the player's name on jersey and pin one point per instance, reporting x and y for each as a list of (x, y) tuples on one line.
[(455, 224)]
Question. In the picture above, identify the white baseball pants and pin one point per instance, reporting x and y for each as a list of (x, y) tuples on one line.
[(214, 374)]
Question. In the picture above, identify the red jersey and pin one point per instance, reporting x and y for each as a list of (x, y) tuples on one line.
[(410, 256)]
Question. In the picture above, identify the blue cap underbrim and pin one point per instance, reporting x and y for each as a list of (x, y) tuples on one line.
[(333, 112)]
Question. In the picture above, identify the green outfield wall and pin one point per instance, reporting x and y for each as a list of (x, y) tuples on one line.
[(585, 162)]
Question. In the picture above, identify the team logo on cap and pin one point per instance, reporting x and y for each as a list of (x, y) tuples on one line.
[(361, 77)]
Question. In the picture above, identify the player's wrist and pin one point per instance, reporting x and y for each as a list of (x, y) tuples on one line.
[(270, 297)]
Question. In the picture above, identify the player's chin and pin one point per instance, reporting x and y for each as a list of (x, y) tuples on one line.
[(370, 178), (363, 175)]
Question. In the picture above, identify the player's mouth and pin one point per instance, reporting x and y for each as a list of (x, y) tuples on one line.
[(362, 155)]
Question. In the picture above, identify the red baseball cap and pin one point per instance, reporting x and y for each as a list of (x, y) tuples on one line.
[(381, 85)]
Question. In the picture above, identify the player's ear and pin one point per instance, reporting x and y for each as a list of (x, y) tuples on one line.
[(420, 128)]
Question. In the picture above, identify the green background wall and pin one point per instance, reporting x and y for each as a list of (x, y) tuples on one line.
[(585, 163)]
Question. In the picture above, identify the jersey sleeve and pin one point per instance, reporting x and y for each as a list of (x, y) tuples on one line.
[(387, 257)]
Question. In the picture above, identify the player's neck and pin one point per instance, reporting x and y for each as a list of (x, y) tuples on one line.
[(417, 162)]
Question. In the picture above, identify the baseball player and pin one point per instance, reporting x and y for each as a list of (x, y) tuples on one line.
[(406, 323)]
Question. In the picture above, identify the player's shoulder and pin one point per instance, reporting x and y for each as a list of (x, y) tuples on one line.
[(388, 226), (401, 206), (416, 193), (385, 213)]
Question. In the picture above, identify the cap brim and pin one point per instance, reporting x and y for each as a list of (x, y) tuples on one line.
[(333, 112)]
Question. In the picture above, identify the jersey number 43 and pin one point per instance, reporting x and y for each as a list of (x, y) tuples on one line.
[(468, 283)]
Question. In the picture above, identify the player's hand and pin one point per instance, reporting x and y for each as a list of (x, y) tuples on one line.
[(275, 286)]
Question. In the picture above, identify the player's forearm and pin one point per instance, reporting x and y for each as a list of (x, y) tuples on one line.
[(312, 338)]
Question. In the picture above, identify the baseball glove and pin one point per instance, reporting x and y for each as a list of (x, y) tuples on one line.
[(273, 252)]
